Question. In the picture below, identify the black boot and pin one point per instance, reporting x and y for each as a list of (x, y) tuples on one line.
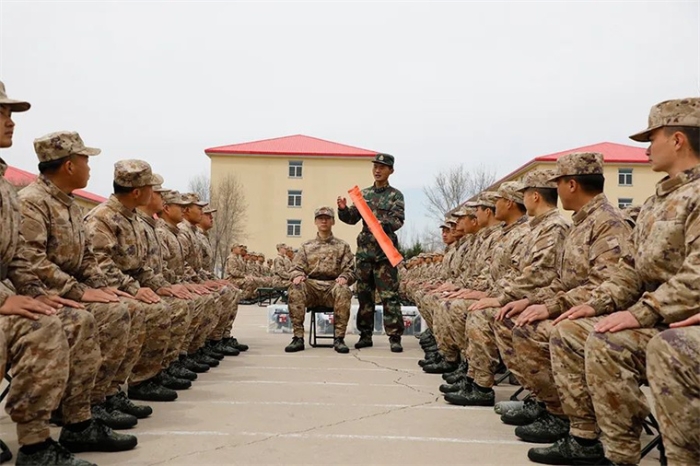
[(150, 390), (224, 348), (547, 428), (202, 358), (365, 341), (430, 358), (526, 413), (568, 451), (239, 346), (114, 419), (476, 396), (179, 371), (297, 344), (209, 351), (340, 346), (49, 453), (440, 367), (96, 437), (173, 383), (120, 402), (189, 362), (395, 344), (463, 385)]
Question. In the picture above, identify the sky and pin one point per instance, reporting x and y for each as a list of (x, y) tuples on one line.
[(436, 84)]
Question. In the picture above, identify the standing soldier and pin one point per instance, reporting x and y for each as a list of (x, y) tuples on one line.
[(373, 269), (321, 276)]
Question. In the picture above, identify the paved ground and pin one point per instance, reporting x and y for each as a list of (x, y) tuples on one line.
[(316, 407)]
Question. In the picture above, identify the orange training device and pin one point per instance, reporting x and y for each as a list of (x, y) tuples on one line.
[(378, 232)]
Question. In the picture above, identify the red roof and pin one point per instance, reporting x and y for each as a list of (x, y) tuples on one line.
[(612, 153), (21, 178), (292, 145)]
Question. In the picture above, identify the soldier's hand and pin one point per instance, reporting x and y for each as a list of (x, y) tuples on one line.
[(512, 309), (474, 295), (57, 302), (692, 320), (181, 292), (146, 295), (342, 281), (576, 312), (93, 295), (616, 322), (116, 292), (532, 314), (298, 280), (26, 307), (211, 286), (342, 203), (484, 303)]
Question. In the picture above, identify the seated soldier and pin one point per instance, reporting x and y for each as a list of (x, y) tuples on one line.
[(322, 275)]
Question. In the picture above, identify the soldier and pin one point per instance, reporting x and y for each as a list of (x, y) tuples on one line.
[(322, 276), (228, 295), (178, 299), (659, 286), (35, 342), (282, 266), (238, 272), (599, 238), (374, 272), (58, 245), (117, 234), (203, 228), (176, 270)]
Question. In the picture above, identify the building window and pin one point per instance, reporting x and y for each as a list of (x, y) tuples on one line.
[(624, 177), (295, 169), (293, 227), (623, 202), (293, 198)]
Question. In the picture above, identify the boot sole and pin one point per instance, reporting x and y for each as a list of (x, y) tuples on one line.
[(80, 447), (293, 350), (151, 398), (471, 403), (124, 426), (541, 440), (537, 458), (516, 421)]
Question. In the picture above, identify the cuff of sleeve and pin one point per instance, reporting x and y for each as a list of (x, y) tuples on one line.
[(554, 308), (644, 314), (132, 288), (76, 292), (503, 300), (601, 305), (96, 283)]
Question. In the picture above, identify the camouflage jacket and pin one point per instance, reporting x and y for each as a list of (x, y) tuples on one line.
[(175, 270), (598, 239), (193, 253), (505, 258), (206, 250), (235, 267), (117, 241), (542, 250), (327, 259), (662, 282), (464, 253), (56, 243), (154, 258), (478, 263), (282, 266), (387, 204), (12, 258)]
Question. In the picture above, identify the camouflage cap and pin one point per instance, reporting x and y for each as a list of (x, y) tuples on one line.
[(511, 190), (158, 187), (209, 210), (61, 144), (444, 225), (280, 246), (579, 163), (15, 106), (324, 210), (487, 199), (678, 112), (538, 179), (460, 211), (174, 197), (193, 198), (384, 159), (134, 174), (450, 221)]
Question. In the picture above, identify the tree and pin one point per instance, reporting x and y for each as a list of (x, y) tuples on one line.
[(227, 196), (452, 187)]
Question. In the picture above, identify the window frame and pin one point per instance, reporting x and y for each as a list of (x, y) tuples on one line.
[(296, 194), (295, 225), (628, 174), (298, 167)]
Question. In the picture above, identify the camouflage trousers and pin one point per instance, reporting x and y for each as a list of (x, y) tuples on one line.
[(248, 286), (449, 321), (204, 318), (85, 359), (228, 303), (615, 369), (531, 344), (134, 344), (38, 353), (156, 327), (673, 370), (488, 338), (328, 293), (113, 323), (567, 345), (180, 311), (383, 278), (425, 311)]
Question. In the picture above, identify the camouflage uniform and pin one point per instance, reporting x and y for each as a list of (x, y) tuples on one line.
[(117, 234), (321, 261), (372, 267), (673, 368), (181, 311), (32, 347), (239, 273), (281, 267), (598, 239), (660, 286), (62, 258)]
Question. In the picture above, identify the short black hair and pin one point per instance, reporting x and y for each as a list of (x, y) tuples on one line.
[(690, 132), (521, 207), (549, 195), (119, 189), (590, 184), (483, 207), (52, 166)]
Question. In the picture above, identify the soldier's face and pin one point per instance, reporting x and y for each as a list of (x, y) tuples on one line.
[(482, 216), (530, 201), (446, 236), (207, 221), (174, 211), (661, 150), (194, 213), (7, 126), (156, 202), (143, 195), (79, 170), (381, 172), (472, 225), (565, 189), (324, 223), (501, 209)]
